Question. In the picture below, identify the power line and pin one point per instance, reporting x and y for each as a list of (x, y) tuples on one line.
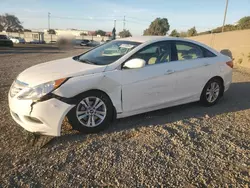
[(86, 19), (134, 18), (136, 22), (124, 20)]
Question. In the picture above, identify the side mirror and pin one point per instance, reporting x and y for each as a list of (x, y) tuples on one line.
[(135, 63)]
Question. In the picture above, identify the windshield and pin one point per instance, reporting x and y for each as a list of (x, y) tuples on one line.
[(108, 53)]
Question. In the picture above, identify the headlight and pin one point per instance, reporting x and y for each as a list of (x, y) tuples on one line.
[(35, 93)]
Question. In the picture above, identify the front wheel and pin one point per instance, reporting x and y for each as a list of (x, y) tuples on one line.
[(93, 112), (212, 92)]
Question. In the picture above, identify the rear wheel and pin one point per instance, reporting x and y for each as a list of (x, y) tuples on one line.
[(92, 113), (212, 92)]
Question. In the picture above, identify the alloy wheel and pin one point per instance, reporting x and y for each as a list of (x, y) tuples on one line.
[(212, 92), (91, 111)]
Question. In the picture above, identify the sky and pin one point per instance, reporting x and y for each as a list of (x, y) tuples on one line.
[(100, 14)]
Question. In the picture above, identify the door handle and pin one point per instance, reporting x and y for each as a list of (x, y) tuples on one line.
[(169, 72), (206, 64)]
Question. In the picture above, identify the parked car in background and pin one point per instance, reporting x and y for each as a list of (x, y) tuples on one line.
[(5, 41), (69, 41), (14, 40), (103, 42), (37, 42), (85, 42), (139, 74), (94, 43), (76, 41), (91, 43), (17, 40)]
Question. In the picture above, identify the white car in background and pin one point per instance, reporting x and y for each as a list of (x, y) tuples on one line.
[(17, 40), (93, 88)]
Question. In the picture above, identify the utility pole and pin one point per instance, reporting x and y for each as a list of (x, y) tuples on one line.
[(48, 20), (225, 15), (124, 22), (115, 23), (49, 26), (114, 30)]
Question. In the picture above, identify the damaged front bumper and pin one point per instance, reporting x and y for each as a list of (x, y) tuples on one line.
[(43, 117)]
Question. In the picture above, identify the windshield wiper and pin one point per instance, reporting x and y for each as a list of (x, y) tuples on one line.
[(86, 61), (76, 58)]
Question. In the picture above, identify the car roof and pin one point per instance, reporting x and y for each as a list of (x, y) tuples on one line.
[(151, 39), (143, 39)]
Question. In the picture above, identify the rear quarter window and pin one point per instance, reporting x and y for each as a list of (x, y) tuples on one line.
[(208, 53)]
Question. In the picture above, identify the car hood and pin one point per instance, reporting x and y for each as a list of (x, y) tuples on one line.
[(53, 70)]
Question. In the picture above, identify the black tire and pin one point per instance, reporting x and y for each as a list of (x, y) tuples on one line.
[(77, 125), (204, 99)]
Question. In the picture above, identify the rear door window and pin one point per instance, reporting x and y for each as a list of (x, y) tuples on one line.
[(187, 51)]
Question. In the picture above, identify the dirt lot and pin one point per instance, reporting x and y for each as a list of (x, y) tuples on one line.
[(184, 146)]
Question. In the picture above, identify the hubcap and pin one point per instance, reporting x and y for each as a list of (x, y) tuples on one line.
[(212, 92), (91, 111)]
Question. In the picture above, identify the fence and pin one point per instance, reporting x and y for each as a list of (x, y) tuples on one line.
[(238, 42)]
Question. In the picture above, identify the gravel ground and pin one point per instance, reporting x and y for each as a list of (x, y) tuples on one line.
[(184, 146)]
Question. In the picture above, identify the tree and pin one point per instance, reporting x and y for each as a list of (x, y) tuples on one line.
[(159, 26), (10, 30), (205, 33), (183, 34), (175, 33), (146, 32), (51, 31), (192, 32), (125, 33), (1, 28), (100, 32), (244, 23), (83, 34), (10, 22), (227, 27), (27, 30)]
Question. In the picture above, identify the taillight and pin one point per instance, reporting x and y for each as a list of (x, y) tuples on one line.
[(230, 64)]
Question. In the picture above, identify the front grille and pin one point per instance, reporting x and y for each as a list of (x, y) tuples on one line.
[(16, 87)]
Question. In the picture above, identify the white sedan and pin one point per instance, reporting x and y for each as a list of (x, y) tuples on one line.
[(139, 74), (17, 40)]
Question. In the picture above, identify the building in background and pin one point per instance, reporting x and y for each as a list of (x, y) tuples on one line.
[(68, 32)]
